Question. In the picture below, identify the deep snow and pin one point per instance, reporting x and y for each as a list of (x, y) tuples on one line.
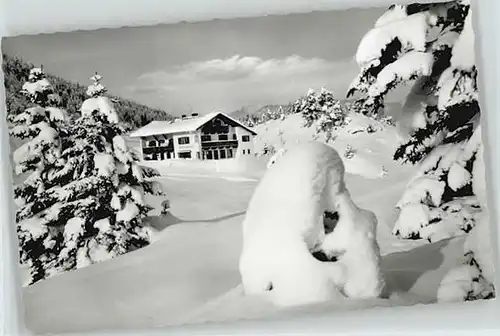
[(190, 273)]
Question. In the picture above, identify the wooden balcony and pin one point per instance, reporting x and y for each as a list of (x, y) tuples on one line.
[(219, 144), (156, 150), (218, 137)]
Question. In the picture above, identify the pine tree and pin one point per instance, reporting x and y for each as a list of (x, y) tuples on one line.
[(323, 110), (111, 205), (91, 206), (39, 128), (430, 47)]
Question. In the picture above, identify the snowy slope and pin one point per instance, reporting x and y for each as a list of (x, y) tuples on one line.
[(413, 269), (373, 150), (190, 274)]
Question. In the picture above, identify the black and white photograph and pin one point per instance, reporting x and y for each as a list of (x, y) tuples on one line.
[(248, 168)]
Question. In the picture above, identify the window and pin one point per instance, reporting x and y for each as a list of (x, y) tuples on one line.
[(235, 137), (152, 143), (230, 153), (248, 151), (222, 153), (209, 155), (206, 137), (222, 137), (245, 138), (183, 140), (216, 155), (161, 142), (244, 151)]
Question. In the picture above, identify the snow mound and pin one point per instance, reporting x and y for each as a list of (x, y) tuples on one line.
[(284, 223)]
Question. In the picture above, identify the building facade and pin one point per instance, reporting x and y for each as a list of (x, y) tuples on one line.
[(215, 136)]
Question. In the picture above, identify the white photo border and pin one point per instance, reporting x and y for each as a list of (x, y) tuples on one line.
[(33, 16)]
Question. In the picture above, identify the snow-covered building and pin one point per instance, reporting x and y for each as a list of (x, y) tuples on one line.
[(214, 136)]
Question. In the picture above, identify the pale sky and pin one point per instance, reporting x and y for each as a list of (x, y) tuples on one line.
[(206, 66)]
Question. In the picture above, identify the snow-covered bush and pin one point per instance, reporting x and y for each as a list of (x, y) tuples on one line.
[(431, 47), (165, 207), (370, 129), (388, 120), (323, 110), (268, 149), (349, 152), (85, 204)]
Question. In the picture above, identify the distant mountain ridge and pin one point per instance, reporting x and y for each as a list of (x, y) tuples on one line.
[(72, 95)]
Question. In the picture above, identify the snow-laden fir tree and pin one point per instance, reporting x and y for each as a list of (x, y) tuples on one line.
[(37, 133), (429, 47), (474, 278), (323, 110), (93, 202), (105, 216)]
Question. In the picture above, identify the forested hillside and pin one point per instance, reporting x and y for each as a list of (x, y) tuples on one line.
[(72, 95)]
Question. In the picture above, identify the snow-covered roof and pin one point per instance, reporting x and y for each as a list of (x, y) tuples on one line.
[(185, 125)]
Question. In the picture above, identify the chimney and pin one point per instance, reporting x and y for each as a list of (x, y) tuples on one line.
[(194, 114)]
